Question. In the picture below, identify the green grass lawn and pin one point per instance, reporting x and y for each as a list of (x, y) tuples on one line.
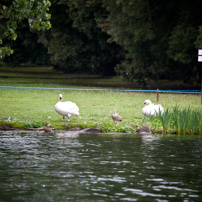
[(48, 77), (34, 108)]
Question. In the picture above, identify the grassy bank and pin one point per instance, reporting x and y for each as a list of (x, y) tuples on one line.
[(34, 108), (25, 108)]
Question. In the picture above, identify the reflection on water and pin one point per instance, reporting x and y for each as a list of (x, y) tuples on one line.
[(68, 166)]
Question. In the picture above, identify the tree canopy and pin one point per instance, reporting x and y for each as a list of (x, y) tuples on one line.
[(13, 12), (160, 38), (138, 39)]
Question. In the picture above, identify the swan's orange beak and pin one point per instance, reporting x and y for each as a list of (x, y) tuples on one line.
[(145, 104), (60, 99)]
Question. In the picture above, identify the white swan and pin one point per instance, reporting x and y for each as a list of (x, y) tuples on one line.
[(66, 108), (151, 109)]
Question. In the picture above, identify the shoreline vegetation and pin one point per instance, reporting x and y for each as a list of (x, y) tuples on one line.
[(25, 108)]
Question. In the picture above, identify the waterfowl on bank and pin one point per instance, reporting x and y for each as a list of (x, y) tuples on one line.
[(66, 108), (47, 128), (151, 109), (116, 117), (144, 129)]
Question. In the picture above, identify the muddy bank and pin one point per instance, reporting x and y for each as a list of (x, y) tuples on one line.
[(7, 127), (144, 129)]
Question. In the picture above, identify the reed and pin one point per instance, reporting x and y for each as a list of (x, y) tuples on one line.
[(165, 120), (185, 121), (196, 122)]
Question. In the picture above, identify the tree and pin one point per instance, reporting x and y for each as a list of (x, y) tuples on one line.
[(129, 25), (185, 38), (13, 12), (198, 42), (144, 39), (26, 48), (75, 42), (158, 37)]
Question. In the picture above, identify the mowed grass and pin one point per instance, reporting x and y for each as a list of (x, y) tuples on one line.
[(34, 108), (48, 77)]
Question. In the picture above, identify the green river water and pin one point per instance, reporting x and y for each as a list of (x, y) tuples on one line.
[(68, 166)]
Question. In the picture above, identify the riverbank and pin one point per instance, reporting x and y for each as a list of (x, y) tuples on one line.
[(33, 108), (7, 127)]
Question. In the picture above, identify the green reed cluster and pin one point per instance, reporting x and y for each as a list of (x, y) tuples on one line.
[(180, 121), (187, 121)]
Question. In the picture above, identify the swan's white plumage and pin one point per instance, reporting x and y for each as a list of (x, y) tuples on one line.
[(151, 109), (66, 108)]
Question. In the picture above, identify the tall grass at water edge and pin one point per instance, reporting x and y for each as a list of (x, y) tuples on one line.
[(179, 121), (187, 121)]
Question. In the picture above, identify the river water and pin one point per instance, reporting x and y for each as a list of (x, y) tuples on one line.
[(67, 166)]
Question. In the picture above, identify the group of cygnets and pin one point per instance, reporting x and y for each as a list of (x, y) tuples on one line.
[(69, 109)]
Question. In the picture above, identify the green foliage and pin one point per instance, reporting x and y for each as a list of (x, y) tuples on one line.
[(154, 122), (13, 123), (36, 124), (26, 48), (25, 108), (132, 30), (76, 44), (8, 125), (198, 42), (107, 125), (165, 120), (139, 40), (156, 45), (5, 51), (176, 120), (181, 43), (14, 12), (187, 121), (185, 33)]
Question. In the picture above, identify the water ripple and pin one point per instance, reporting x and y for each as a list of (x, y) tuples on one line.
[(66, 166)]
